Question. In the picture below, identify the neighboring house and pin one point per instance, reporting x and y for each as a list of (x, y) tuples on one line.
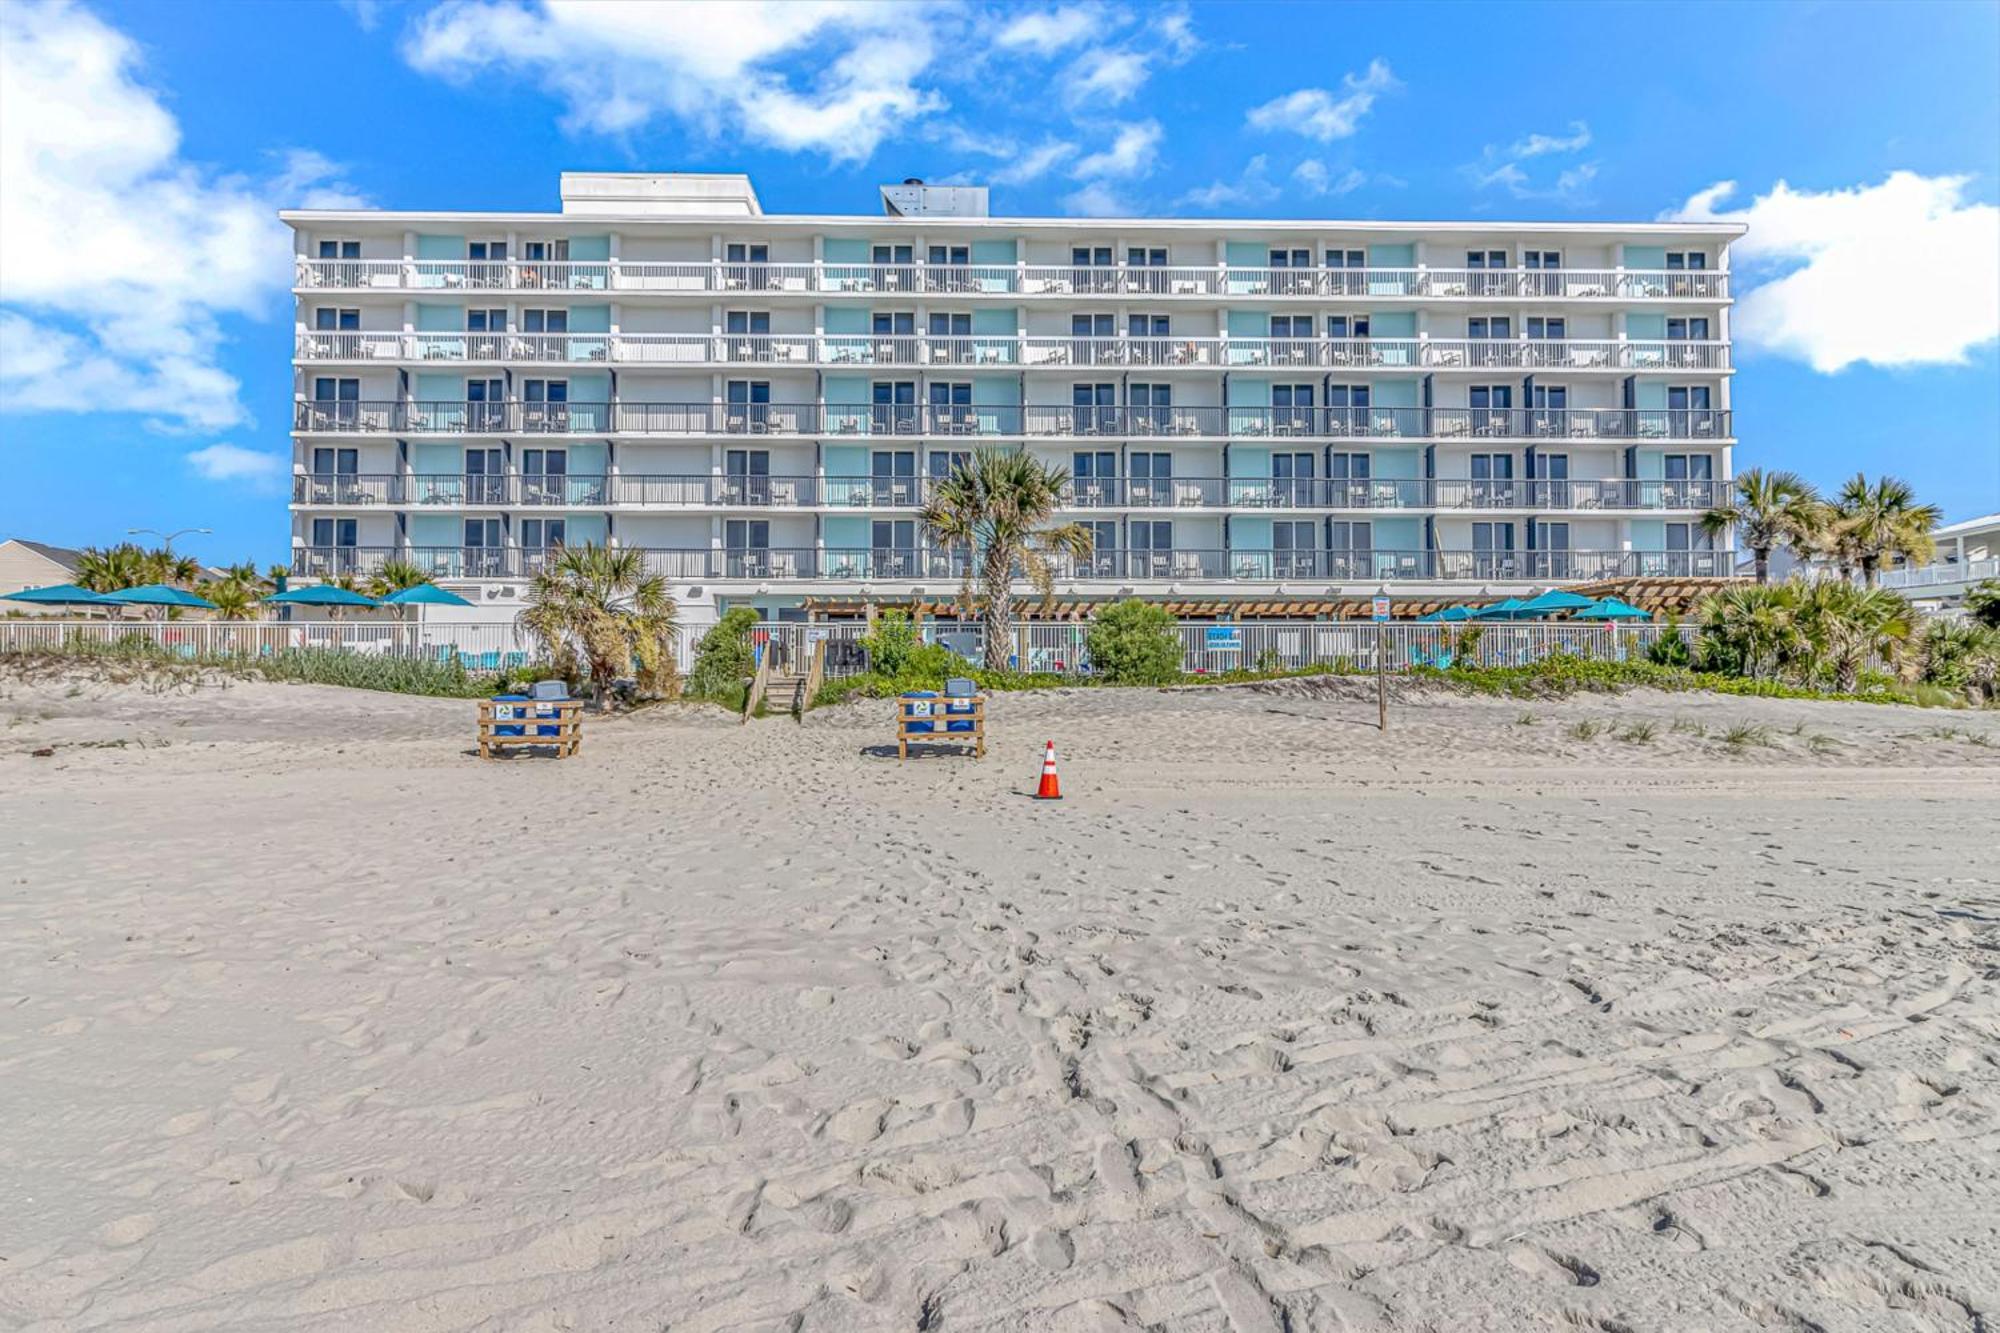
[(1251, 412), (1967, 552), (26, 564)]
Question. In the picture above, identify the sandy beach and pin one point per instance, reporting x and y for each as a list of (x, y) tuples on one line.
[(1567, 1015)]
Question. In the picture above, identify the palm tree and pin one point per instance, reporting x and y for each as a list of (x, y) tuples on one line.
[(1845, 627), (163, 566), (601, 608), (234, 599), (995, 506), (108, 569), (1769, 510), (1884, 520)]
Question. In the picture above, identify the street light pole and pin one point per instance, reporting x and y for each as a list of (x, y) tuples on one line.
[(166, 538)]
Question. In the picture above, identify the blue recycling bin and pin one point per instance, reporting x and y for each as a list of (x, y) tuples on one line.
[(916, 726), (525, 709)]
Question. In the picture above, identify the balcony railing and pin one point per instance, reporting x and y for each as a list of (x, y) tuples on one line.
[(806, 491), (1602, 284), (1254, 565), (999, 351), (387, 417)]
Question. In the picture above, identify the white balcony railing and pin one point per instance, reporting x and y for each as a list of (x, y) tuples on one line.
[(1218, 280), (1034, 350)]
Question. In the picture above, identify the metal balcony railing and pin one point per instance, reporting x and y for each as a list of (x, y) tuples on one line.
[(1015, 350), (974, 280)]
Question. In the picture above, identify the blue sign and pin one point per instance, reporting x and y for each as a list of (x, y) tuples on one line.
[(1381, 608), (1223, 639)]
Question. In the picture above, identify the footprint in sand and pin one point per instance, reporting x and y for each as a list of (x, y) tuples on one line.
[(127, 1230), (1552, 1267)]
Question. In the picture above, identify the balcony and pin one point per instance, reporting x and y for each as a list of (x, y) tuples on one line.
[(809, 420), (1013, 280), (348, 490), (1207, 565), (1012, 351)]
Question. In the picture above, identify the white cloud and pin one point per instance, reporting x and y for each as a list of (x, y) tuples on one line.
[(1318, 114), (712, 66), (116, 254), (1251, 186), (234, 463), (1034, 163), (1098, 200), (1535, 145), (1313, 177), (1130, 152), (1105, 77), (1046, 32), (1501, 167), (1902, 273)]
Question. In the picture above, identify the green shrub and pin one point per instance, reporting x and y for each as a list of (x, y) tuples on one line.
[(724, 659), (1670, 649), (891, 643), (1135, 643)]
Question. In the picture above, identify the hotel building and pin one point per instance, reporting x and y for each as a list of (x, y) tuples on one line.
[(760, 403)]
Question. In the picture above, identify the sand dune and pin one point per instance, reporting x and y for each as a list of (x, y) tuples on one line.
[(308, 1020)]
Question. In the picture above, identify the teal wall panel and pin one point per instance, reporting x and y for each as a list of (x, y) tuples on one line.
[(590, 319), (440, 319), (1397, 464), (847, 319), (1645, 324), (993, 252), (1645, 256), (845, 250), (440, 247), (1393, 324), (1002, 320), (1396, 393), (589, 249), (1392, 256), (436, 530)]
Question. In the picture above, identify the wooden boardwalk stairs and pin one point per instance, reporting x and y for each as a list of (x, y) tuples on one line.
[(786, 687)]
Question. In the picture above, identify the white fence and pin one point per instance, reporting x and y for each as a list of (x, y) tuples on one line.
[(1059, 648)]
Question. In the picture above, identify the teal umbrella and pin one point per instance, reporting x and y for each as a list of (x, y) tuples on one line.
[(424, 594), (1612, 609), (321, 594), (1498, 611), (61, 594), (1555, 599), (1455, 613), (159, 594)]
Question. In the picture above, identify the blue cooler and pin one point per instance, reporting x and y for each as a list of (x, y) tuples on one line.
[(920, 711)]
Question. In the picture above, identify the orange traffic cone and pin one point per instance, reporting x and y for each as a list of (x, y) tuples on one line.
[(1050, 790)]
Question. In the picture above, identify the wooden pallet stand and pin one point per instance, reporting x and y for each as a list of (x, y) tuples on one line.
[(926, 722), (553, 724)]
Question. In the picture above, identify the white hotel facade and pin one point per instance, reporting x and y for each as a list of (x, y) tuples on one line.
[(1247, 409)]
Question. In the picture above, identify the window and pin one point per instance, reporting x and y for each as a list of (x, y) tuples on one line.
[(1147, 336), (1549, 410), (1493, 549), (1103, 549), (895, 335), (545, 462), (1291, 326), (337, 274), (481, 552), (485, 477), (1539, 327), (893, 473), (1690, 550), (894, 542), (1347, 279), (1291, 478), (951, 254), (1689, 480), (1541, 278), (332, 319), (544, 479), (1688, 411), (951, 409), (485, 405), (748, 406), (545, 405), (1489, 326), (1291, 409), (1551, 558), (1095, 475), (1686, 260), (336, 404), (1553, 483), (1485, 331), (1492, 478), (746, 548), (1292, 549), (941, 463), (1694, 328), (340, 249), (541, 534), (1152, 548), (1347, 408), (539, 265), (336, 462), (1095, 408), (1289, 282), (1091, 269), (1138, 259), (1483, 282), (895, 403), (1091, 328), (1350, 550), (1150, 478), (1152, 409), (746, 266), (334, 531), (1347, 477), (955, 326), (893, 267), (746, 476), (1491, 406), (1347, 326), (545, 321), (486, 263)]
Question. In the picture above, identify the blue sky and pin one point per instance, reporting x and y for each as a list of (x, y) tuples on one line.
[(145, 325)]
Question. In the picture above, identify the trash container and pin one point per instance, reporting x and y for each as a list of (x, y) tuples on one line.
[(921, 710)]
